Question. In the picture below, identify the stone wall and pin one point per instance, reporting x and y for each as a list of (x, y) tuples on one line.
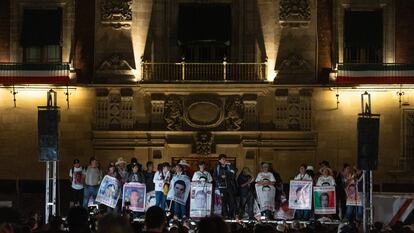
[(5, 31), (332, 136)]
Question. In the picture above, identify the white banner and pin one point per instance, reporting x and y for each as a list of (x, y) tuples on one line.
[(150, 200), (134, 193), (179, 189), (300, 195), (200, 199), (109, 191), (389, 208), (266, 197)]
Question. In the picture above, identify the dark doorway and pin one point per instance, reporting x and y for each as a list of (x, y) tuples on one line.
[(204, 31), (363, 36)]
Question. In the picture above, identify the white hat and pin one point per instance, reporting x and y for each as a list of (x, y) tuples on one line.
[(309, 168), (184, 163), (120, 161)]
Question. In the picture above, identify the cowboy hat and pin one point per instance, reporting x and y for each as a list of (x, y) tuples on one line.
[(120, 161), (326, 168), (184, 163)]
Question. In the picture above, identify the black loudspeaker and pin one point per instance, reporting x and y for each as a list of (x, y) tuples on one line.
[(48, 134), (368, 135)]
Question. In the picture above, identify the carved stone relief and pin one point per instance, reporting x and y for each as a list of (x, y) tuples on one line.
[(234, 113), (294, 69), (294, 13), (203, 143), (114, 109), (173, 113), (117, 13), (203, 111), (293, 110)]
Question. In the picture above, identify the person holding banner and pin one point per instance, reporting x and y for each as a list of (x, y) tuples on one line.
[(302, 176), (180, 191), (324, 193), (354, 186), (265, 190), (161, 181)]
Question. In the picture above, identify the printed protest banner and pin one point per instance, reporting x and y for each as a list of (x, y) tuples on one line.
[(353, 196), (300, 195), (324, 199), (150, 200), (200, 199), (109, 191), (179, 189), (266, 197), (134, 193)]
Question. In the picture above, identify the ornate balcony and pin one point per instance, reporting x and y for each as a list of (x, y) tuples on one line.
[(386, 73), (20, 73), (203, 72)]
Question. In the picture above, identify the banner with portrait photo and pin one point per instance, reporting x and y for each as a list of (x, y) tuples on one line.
[(300, 195), (179, 189), (353, 196), (200, 199), (109, 191), (266, 197), (134, 193), (150, 200), (324, 199)]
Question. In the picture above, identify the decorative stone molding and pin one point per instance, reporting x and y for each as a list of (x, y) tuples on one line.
[(203, 143), (114, 109), (234, 113), (204, 111), (250, 112), (294, 69), (294, 64), (157, 110), (115, 64), (117, 13), (293, 110), (173, 113), (294, 13)]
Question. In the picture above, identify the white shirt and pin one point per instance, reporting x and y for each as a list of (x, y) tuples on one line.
[(159, 181), (76, 174), (198, 174), (265, 176), (325, 181), (302, 177)]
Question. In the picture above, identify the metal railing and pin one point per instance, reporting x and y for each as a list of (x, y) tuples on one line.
[(187, 71)]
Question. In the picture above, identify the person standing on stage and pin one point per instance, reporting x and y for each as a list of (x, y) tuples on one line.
[(180, 210), (303, 214), (75, 173), (265, 179), (202, 175), (161, 181), (224, 176), (244, 181), (92, 176), (149, 177), (135, 175)]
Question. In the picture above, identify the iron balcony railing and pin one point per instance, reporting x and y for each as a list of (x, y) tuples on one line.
[(382, 73), (21, 73), (185, 71)]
